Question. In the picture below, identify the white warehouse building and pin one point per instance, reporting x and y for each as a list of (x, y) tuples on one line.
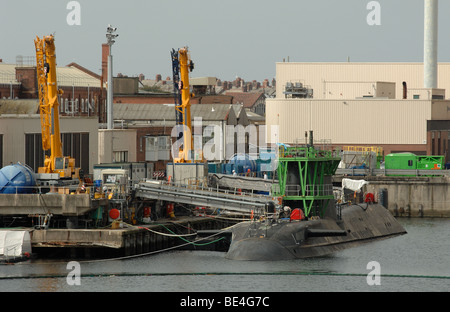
[(362, 104)]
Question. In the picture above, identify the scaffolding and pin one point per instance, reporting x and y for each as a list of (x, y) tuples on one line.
[(304, 175), (362, 156)]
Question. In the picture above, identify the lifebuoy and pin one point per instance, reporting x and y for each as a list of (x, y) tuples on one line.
[(114, 213)]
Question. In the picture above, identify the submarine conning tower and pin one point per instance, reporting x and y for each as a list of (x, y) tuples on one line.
[(305, 179)]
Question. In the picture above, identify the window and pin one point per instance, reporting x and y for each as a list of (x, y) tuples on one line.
[(157, 148), (121, 156), (1, 149), (34, 153), (75, 145), (66, 106), (416, 96), (151, 143), (59, 163)]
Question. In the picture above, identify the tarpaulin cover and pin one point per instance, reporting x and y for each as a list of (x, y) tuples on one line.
[(14, 243), (354, 185)]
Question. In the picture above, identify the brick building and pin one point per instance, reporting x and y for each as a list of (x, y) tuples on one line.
[(83, 94), (81, 107)]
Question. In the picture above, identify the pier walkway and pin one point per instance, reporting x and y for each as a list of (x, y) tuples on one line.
[(203, 196)]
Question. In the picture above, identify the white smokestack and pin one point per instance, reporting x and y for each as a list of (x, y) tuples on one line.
[(430, 43)]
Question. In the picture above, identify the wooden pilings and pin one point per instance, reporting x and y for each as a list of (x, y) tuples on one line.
[(159, 237), (121, 242)]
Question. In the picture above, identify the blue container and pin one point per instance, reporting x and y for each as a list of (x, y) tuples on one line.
[(16, 178), (229, 169), (214, 168), (245, 161), (98, 183)]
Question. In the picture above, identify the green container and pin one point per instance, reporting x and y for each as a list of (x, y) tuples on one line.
[(407, 161), (430, 162), (411, 161)]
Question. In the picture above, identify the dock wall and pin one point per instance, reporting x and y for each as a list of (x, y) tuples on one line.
[(412, 196), (132, 240), (55, 203)]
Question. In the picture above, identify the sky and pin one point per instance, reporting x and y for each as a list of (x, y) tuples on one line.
[(226, 38)]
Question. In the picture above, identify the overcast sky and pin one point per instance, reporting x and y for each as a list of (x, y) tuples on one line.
[(226, 38)]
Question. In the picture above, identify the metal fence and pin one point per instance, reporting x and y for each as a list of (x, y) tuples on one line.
[(310, 190), (392, 172)]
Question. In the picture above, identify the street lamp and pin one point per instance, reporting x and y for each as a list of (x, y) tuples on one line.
[(110, 36)]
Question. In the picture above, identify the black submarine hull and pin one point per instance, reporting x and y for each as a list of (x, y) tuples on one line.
[(285, 239)]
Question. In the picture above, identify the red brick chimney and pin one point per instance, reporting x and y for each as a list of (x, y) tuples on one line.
[(27, 76), (105, 53)]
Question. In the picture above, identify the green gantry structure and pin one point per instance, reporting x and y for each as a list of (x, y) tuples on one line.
[(304, 175)]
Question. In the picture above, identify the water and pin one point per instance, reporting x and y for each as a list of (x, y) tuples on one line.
[(417, 261)]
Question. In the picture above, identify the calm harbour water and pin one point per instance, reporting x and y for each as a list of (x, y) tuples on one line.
[(417, 261)]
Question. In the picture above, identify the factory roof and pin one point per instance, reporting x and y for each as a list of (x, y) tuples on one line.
[(19, 107), (248, 99), (8, 74), (72, 75), (167, 111)]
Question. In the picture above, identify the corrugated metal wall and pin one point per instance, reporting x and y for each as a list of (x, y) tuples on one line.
[(322, 77), (350, 121), (21, 135)]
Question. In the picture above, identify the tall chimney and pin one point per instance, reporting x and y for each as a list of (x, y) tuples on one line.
[(430, 43), (105, 53)]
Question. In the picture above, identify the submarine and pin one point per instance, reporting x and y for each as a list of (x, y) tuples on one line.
[(307, 220), (284, 239)]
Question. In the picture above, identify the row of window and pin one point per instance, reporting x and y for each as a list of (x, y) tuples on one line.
[(73, 106), (75, 145)]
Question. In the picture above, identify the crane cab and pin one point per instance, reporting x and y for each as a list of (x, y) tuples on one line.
[(64, 167)]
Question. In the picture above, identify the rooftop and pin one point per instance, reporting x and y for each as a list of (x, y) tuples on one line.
[(167, 111), (72, 75)]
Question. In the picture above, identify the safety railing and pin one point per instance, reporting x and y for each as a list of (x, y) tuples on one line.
[(310, 190), (307, 152), (392, 172), (44, 189), (202, 189)]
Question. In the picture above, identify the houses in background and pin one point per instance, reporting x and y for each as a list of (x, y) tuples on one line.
[(143, 120)]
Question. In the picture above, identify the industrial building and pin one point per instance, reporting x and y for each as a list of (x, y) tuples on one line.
[(81, 106), (348, 80), (20, 139), (368, 104), (143, 132), (82, 89), (400, 107)]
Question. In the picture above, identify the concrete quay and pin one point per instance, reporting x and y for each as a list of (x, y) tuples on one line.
[(126, 241), (410, 196), (55, 203)]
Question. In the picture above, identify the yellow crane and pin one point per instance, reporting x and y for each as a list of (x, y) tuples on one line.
[(49, 111), (181, 66)]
